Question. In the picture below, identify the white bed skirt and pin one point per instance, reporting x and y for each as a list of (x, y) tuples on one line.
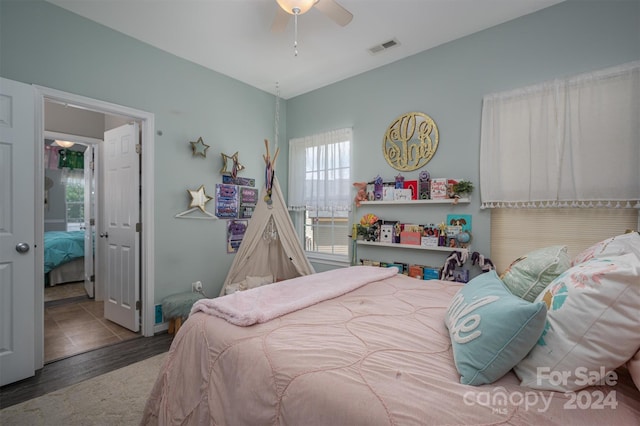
[(67, 273)]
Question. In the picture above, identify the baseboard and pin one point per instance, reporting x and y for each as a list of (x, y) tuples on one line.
[(159, 328)]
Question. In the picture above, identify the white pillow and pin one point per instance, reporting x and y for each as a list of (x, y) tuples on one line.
[(253, 282), (614, 246), (592, 327), (233, 287)]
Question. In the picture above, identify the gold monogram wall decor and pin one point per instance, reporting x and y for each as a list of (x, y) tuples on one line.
[(410, 141)]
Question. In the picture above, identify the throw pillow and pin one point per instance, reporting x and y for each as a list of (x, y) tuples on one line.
[(529, 275), (592, 328), (253, 282), (233, 287), (614, 246), (491, 330)]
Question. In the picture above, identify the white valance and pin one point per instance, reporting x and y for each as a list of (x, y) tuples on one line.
[(319, 171), (571, 142)]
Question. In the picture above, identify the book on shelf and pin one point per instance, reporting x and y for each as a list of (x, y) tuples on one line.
[(430, 273), (412, 185), (462, 220), (412, 238), (403, 194), (415, 271), (439, 189), (388, 193)]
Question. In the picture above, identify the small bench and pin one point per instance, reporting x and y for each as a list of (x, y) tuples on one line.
[(176, 308)]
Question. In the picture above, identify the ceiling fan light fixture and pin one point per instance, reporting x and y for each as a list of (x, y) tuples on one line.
[(296, 7), (64, 144)]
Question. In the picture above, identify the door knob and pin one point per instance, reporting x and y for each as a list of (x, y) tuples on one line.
[(22, 247), (104, 235)]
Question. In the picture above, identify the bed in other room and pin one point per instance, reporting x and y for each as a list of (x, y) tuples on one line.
[(63, 257)]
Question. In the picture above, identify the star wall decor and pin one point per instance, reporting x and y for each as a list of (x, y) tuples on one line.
[(199, 148), (236, 165), (199, 198)]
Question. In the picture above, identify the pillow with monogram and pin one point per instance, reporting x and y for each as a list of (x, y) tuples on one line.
[(491, 330)]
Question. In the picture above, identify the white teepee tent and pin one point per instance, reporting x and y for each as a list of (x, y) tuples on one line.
[(265, 252)]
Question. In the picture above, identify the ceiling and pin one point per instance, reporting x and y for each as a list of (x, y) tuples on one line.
[(234, 37)]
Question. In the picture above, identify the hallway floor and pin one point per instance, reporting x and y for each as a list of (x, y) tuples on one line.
[(76, 324)]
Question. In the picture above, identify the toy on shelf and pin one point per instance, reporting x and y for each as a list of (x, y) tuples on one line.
[(361, 195)]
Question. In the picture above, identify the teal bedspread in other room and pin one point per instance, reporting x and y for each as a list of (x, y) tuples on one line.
[(61, 247)]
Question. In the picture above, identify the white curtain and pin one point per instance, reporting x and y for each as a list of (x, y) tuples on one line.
[(319, 171), (571, 142), (72, 176)]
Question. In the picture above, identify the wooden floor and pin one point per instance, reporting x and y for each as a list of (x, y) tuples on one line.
[(84, 366)]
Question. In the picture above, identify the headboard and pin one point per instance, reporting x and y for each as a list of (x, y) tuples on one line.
[(515, 232)]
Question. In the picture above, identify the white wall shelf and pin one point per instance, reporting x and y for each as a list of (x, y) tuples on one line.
[(410, 246), (399, 202)]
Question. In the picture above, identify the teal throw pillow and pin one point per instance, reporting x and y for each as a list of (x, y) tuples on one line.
[(491, 330)]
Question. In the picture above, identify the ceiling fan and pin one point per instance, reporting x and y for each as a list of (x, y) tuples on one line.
[(298, 7)]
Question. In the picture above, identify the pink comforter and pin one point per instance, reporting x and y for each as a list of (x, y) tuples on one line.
[(378, 355)]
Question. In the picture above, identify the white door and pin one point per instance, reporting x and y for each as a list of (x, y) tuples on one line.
[(121, 207), (89, 220), (17, 235)]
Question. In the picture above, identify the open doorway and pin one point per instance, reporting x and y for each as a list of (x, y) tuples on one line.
[(57, 111), (74, 318)]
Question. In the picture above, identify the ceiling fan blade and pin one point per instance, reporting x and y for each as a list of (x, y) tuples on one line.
[(334, 11), (280, 21)]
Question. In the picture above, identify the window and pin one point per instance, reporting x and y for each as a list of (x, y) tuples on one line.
[(320, 192), (73, 181)]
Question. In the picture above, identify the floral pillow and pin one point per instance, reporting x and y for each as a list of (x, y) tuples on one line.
[(491, 330), (592, 326), (527, 276), (614, 246)]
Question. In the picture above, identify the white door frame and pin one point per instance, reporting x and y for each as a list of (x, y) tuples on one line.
[(147, 263)]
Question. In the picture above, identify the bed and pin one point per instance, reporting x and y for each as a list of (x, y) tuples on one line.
[(63, 257), (385, 351)]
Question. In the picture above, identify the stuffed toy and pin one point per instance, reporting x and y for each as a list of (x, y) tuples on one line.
[(362, 192), (457, 258), (483, 262)]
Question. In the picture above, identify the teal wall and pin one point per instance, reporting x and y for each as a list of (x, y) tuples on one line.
[(45, 45), (448, 83)]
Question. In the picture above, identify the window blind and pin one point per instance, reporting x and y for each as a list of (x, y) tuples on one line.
[(515, 232)]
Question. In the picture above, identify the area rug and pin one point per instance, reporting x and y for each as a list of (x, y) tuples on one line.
[(114, 398)]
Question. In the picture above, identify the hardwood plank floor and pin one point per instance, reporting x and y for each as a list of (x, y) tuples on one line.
[(84, 366)]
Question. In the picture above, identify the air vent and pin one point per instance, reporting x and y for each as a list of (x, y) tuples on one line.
[(383, 46)]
